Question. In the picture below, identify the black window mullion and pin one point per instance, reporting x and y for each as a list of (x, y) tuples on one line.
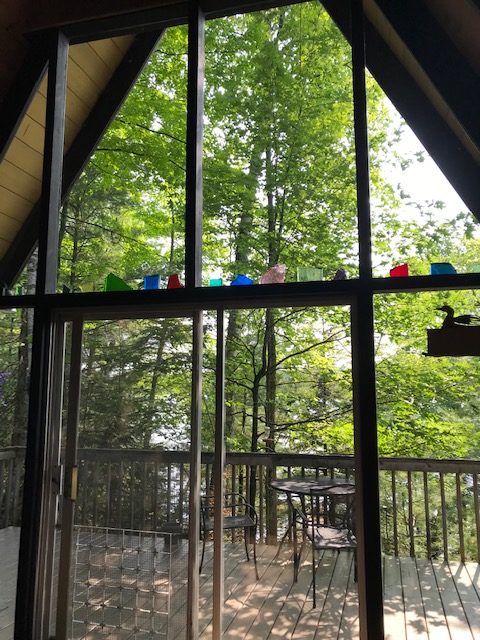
[(194, 150), (370, 588), (361, 141), (30, 611), (52, 166)]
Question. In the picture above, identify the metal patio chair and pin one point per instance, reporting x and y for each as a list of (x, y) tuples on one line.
[(238, 514), (322, 534)]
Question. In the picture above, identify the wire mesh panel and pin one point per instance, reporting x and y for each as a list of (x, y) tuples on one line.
[(121, 584)]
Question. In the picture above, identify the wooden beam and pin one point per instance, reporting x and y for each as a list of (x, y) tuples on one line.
[(439, 58), (28, 614), (52, 166), (17, 100), (82, 147), (361, 141), (367, 518), (111, 18), (434, 133), (194, 151), (218, 482), (193, 586), (370, 588)]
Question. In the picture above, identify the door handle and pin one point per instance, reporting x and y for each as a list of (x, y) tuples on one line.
[(71, 483)]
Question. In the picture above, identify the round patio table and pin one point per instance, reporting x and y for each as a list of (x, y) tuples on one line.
[(323, 486), (304, 486)]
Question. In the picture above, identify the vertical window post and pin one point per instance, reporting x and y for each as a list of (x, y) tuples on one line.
[(363, 355), (194, 178), (48, 249), (218, 481), (193, 585), (30, 609)]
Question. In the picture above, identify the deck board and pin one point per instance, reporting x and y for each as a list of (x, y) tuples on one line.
[(432, 602), (455, 615), (415, 622), (423, 599), (393, 603)]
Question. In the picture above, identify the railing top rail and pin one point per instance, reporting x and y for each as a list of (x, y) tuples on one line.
[(306, 461), (8, 454)]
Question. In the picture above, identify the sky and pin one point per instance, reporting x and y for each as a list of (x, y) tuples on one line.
[(424, 181)]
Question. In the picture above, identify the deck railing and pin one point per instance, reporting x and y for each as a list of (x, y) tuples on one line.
[(11, 485), (429, 508)]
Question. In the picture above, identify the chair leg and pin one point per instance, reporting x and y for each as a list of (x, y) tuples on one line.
[(255, 551), (355, 576), (245, 533), (314, 583), (203, 551), (295, 552)]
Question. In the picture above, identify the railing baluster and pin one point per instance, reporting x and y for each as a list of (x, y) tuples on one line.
[(207, 479), (132, 491), (95, 494), (444, 517), (3, 522), (394, 514), (460, 517), (8, 499), (143, 484), (169, 493), (85, 484), (234, 490), (155, 496), (476, 508), (289, 510), (181, 510), (411, 530), (426, 500), (109, 497), (120, 499), (261, 497)]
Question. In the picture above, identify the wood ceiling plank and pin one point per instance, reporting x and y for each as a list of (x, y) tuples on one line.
[(31, 133), (37, 109), (24, 157), (16, 180), (109, 50), (81, 84), (77, 109), (9, 226), (91, 64), (122, 43)]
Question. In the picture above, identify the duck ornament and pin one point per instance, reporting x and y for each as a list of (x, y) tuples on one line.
[(458, 336)]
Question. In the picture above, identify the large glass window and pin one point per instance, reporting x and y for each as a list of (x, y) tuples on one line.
[(124, 218), (279, 164), (420, 226), (123, 548), (429, 449)]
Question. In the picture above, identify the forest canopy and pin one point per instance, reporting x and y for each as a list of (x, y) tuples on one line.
[(279, 188)]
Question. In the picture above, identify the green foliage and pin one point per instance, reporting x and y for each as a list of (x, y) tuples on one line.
[(279, 187)]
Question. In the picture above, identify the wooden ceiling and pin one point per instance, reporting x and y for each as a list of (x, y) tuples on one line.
[(90, 67), (424, 53)]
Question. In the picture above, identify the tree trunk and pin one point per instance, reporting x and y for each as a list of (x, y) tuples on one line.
[(154, 384), (252, 489), (271, 364), (242, 250)]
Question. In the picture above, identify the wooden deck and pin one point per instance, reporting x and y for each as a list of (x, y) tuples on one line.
[(423, 600)]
